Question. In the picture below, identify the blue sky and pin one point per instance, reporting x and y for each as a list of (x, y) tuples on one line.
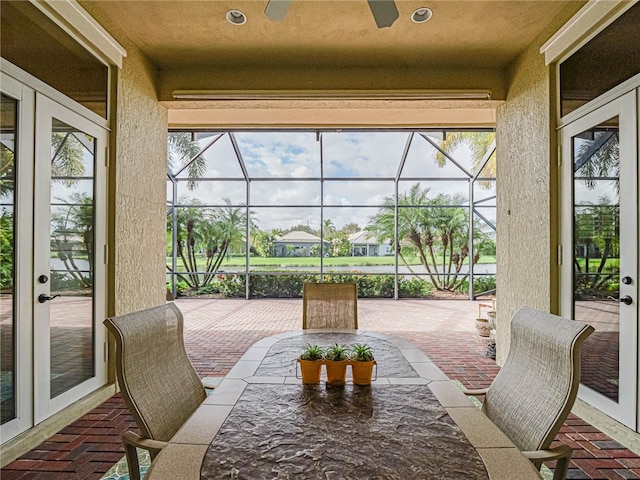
[(348, 155)]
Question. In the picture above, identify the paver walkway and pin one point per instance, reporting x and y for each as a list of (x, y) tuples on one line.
[(219, 331)]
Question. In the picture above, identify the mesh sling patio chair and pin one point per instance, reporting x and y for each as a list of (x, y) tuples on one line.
[(534, 391), (330, 306), (159, 385)]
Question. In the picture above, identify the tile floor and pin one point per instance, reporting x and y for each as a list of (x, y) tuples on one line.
[(219, 331)]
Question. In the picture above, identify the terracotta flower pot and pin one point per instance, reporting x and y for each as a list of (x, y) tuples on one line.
[(361, 372), (310, 371), (336, 371)]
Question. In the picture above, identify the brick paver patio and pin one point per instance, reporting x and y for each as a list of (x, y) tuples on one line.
[(219, 331)]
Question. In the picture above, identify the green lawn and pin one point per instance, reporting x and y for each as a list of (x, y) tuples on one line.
[(287, 262), (611, 264)]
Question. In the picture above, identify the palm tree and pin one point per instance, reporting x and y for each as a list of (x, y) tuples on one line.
[(73, 226), (383, 225), (452, 225), (213, 232), (431, 228), (478, 142), (184, 152), (264, 243), (225, 231), (596, 226), (67, 156), (66, 161), (329, 232), (67, 164), (328, 227), (599, 158), (187, 235)]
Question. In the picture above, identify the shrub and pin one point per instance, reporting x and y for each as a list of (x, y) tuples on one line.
[(484, 284), (209, 289), (182, 288), (291, 286), (481, 284), (414, 288), (279, 286), (232, 286)]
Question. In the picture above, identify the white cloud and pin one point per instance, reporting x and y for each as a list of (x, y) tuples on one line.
[(291, 155)]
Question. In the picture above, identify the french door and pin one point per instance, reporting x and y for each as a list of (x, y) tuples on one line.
[(69, 234), (599, 239), (52, 203)]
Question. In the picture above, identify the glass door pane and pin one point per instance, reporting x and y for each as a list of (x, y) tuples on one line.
[(596, 245), (69, 237), (8, 131), (72, 257), (600, 237)]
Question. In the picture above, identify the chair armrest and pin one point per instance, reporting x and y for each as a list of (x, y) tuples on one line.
[(561, 451), (142, 442), (479, 391), (562, 455)]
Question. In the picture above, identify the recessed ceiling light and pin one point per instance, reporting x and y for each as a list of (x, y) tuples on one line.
[(236, 17), (421, 15)]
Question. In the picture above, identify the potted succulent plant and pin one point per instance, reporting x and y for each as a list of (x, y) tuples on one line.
[(336, 357), (310, 361), (362, 362)]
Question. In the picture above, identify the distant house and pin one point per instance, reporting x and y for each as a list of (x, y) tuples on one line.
[(364, 244), (296, 244)]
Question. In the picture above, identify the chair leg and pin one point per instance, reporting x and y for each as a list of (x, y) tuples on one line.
[(562, 468), (132, 461)]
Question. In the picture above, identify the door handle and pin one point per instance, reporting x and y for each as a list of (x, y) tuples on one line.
[(627, 300), (43, 297)]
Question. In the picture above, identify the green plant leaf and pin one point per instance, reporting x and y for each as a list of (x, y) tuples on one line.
[(311, 352), (336, 352), (361, 352)]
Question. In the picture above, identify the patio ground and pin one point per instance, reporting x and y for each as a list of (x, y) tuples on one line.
[(219, 331)]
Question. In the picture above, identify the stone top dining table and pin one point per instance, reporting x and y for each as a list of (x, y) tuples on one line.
[(412, 422)]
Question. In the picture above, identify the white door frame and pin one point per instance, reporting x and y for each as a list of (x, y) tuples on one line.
[(46, 110), (625, 107), (23, 266)]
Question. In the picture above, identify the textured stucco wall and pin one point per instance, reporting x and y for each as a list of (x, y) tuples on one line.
[(140, 189), (137, 175), (523, 178), (527, 174)]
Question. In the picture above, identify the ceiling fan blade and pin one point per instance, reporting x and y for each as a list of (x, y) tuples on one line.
[(384, 12), (277, 9)]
